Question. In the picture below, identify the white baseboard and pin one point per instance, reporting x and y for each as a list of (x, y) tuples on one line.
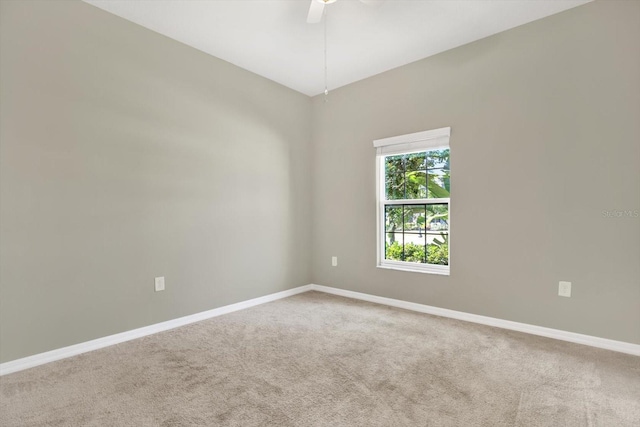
[(73, 350), (619, 346)]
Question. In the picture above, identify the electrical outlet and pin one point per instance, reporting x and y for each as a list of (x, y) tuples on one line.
[(564, 289), (334, 261), (159, 284)]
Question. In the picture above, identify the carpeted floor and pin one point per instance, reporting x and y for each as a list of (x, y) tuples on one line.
[(321, 360)]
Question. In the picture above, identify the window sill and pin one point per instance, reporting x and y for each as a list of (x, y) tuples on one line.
[(419, 268)]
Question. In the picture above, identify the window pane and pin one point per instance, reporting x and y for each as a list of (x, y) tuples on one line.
[(438, 159), (394, 164), (416, 176), (439, 183), (416, 161), (414, 218), (438, 249), (414, 252), (416, 184), (437, 218), (394, 186), (393, 219), (393, 246)]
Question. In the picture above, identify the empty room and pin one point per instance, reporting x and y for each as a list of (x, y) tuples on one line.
[(320, 213)]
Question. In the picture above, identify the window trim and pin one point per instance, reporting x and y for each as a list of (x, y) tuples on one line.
[(406, 144)]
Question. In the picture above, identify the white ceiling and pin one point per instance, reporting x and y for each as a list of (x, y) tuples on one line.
[(272, 38)]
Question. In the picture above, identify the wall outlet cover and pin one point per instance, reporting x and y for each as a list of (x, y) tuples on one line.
[(564, 289)]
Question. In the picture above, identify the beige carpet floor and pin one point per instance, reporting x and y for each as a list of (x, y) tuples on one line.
[(321, 360)]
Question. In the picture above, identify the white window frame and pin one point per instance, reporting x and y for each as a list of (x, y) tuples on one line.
[(406, 144)]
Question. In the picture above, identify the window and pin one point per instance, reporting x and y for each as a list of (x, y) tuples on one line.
[(413, 185)]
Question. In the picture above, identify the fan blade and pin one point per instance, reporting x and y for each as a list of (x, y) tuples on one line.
[(315, 12)]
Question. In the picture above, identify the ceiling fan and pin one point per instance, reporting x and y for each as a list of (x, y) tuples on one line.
[(316, 9)]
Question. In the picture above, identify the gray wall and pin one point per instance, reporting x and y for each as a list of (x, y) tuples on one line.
[(545, 137), (126, 155)]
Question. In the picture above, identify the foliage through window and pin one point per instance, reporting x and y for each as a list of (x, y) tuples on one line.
[(414, 197)]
